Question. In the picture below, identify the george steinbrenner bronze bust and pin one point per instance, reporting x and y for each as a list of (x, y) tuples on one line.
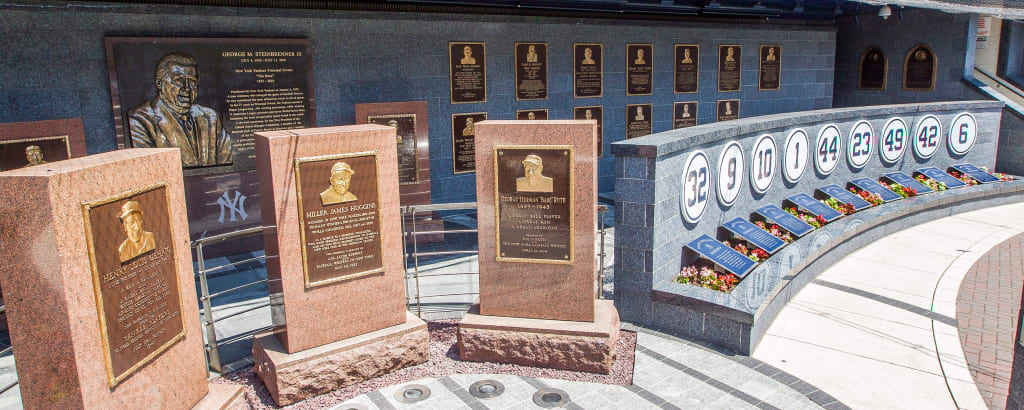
[(172, 119)]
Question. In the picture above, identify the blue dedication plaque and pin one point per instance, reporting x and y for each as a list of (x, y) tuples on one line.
[(872, 186), (815, 207), (722, 255), (845, 196), (784, 220), (907, 181), (940, 176), (977, 173), (757, 236)]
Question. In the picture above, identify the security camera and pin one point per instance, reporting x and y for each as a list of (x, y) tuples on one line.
[(884, 12)]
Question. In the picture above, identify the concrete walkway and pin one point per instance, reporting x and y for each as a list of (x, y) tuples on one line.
[(878, 329)]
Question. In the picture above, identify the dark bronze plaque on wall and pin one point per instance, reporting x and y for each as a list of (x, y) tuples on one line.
[(593, 112), (339, 217), (639, 69), (533, 201), (919, 69), (770, 71), (871, 75), (135, 277), (687, 68), (467, 69), (541, 114), (729, 57), (728, 110), (531, 71), (21, 153), (587, 71), (405, 130), (684, 114), (464, 141), (638, 120)]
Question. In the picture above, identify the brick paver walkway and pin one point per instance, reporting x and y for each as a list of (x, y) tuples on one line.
[(986, 314)]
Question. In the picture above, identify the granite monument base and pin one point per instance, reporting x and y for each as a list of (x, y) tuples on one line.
[(298, 376), (223, 397), (555, 344)]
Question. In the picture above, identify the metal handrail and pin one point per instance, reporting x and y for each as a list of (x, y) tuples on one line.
[(230, 235)]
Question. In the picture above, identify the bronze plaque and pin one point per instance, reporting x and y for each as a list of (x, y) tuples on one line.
[(593, 112), (684, 114), (135, 278), (467, 69), (541, 114), (405, 131), (729, 58), (26, 152), (639, 69), (873, 70), (728, 110), (770, 72), (587, 71), (533, 203), (919, 69), (531, 71), (464, 141), (339, 217), (208, 96), (687, 68), (638, 120)]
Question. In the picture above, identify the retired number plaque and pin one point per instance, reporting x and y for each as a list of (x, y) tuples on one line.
[(339, 217), (533, 203), (135, 278)]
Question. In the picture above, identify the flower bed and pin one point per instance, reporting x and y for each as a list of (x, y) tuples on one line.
[(1002, 177), (930, 183), (845, 209), (707, 277), (970, 181), (776, 231), (817, 221), (754, 253), (872, 198), (899, 189)]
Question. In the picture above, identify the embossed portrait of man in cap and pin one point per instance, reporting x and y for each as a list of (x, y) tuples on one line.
[(341, 179), (34, 156), (534, 181), (173, 119), (139, 241)]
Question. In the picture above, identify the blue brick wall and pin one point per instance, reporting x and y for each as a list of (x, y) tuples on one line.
[(54, 65)]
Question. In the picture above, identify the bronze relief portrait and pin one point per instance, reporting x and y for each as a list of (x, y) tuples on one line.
[(341, 180), (728, 110), (34, 156), (541, 114), (533, 179), (138, 240)]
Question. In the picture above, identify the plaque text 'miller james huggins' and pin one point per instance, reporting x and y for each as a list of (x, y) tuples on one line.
[(533, 203), (339, 216)]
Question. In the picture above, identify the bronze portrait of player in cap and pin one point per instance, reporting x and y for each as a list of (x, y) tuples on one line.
[(534, 179), (139, 241), (338, 192), (34, 156)]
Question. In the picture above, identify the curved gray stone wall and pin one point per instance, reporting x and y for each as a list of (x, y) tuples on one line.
[(651, 230)]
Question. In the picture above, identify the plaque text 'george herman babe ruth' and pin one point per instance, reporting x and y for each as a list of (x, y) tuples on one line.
[(533, 203), (339, 217)]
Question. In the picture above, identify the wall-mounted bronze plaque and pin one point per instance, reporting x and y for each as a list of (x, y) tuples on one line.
[(873, 70), (729, 58), (593, 112), (687, 68), (405, 129), (135, 278), (533, 203), (339, 217), (467, 69), (464, 141), (919, 69), (208, 96), (531, 71), (639, 69), (638, 120), (770, 71), (684, 114), (541, 114), (587, 71), (728, 110), (27, 152)]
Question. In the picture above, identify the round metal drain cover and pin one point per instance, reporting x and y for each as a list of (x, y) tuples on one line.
[(353, 406), (549, 398), (412, 393), (486, 389)]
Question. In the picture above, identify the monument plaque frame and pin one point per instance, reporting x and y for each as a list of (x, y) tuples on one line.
[(766, 66), (457, 118), (538, 112), (577, 73), (66, 136), (678, 71), (377, 223), (521, 71), (884, 69), (726, 74), (636, 71), (474, 94), (916, 84), (115, 378)]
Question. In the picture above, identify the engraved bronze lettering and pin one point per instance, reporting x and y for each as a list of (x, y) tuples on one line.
[(729, 59), (594, 112), (405, 134), (639, 69), (463, 141), (687, 68), (339, 217), (919, 69), (728, 110), (135, 278), (638, 120), (533, 197), (587, 70), (531, 71), (873, 69), (684, 114), (467, 64), (770, 71)]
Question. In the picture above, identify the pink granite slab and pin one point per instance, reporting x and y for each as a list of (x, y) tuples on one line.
[(48, 286), (539, 290), (312, 317)]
